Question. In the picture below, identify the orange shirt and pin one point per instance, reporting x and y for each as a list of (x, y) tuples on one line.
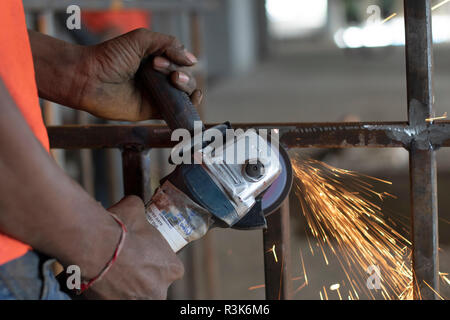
[(17, 72)]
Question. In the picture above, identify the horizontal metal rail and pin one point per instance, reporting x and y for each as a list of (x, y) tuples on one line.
[(292, 135)]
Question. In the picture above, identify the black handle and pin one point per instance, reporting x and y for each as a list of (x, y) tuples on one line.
[(174, 105)]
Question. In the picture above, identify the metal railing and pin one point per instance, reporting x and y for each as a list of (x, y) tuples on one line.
[(419, 137)]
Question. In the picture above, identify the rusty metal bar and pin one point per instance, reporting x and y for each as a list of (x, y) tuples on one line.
[(136, 172), (419, 68), (277, 255), (292, 135)]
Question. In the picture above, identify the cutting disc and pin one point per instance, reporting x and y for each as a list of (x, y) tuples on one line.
[(275, 195), (272, 198)]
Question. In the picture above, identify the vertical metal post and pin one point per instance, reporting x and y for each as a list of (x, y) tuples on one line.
[(136, 172), (419, 67), (86, 161), (277, 255)]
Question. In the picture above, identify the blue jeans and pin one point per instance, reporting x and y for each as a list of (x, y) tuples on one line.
[(30, 277)]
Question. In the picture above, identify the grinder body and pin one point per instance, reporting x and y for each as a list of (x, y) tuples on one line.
[(214, 190)]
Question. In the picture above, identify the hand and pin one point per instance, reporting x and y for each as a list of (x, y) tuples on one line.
[(145, 267), (110, 90)]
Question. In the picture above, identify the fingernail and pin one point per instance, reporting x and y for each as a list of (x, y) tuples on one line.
[(182, 77), (191, 57), (161, 62)]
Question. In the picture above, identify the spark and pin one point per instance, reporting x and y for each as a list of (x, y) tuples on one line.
[(440, 297), (274, 253), (350, 295), (300, 288), (342, 214), (390, 17), (303, 266), (335, 286), (444, 277), (257, 287), (325, 292), (439, 4), (444, 116), (339, 294), (309, 243)]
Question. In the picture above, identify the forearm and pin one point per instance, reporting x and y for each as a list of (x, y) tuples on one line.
[(40, 205), (58, 66)]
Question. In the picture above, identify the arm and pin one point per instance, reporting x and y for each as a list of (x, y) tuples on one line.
[(100, 79), (57, 69), (40, 205)]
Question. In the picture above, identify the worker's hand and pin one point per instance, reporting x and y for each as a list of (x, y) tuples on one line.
[(145, 267), (111, 90)]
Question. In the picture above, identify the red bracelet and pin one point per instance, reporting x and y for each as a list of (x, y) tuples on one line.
[(86, 284)]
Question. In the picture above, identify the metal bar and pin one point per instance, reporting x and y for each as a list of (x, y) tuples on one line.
[(292, 135), (86, 160), (158, 5), (419, 63), (277, 255), (136, 172)]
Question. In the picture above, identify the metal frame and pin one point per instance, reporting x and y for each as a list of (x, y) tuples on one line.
[(419, 137)]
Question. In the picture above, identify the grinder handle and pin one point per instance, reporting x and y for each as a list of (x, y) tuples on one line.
[(173, 104)]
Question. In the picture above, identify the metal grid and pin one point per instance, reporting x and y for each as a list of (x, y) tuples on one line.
[(419, 137)]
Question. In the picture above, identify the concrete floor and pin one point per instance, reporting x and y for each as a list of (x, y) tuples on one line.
[(302, 85)]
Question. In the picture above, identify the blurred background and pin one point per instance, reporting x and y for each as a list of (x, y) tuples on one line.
[(269, 61)]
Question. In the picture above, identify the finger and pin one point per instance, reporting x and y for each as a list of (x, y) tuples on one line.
[(148, 42), (197, 97), (183, 81), (177, 54), (164, 65)]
